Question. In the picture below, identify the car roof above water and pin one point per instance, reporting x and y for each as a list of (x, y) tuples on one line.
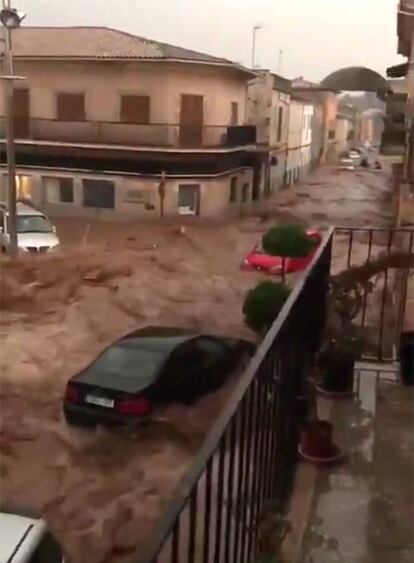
[(160, 338), (151, 346), (23, 209), (20, 536)]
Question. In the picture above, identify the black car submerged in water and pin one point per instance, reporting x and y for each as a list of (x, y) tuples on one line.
[(147, 368)]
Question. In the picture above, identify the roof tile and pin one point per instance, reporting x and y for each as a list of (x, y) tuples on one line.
[(96, 42)]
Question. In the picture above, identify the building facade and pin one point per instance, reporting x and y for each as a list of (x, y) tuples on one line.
[(103, 118), (405, 180), (268, 108), (300, 139), (323, 124)]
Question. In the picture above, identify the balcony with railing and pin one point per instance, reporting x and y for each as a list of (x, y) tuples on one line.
[(163, 135), (242, 476)]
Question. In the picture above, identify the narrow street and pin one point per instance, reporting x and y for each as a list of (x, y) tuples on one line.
[(343, 198), (193, 279)]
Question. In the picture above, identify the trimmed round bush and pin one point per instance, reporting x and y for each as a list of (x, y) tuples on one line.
[(287, 241), (263, 304)]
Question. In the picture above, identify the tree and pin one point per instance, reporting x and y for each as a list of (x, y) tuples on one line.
[(263, 304), (287, 241)]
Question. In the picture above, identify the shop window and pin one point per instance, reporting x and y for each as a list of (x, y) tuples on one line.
[(59, 190), (189, 199), (98, 193)]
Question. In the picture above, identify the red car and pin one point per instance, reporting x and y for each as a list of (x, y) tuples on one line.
[(258, 260)]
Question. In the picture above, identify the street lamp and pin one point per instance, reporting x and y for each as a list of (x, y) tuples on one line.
[(11, 19), (256, 28)]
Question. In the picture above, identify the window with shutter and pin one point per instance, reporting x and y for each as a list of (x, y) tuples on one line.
[(135, 109), (70, 107), (233, 190), (234, 115)]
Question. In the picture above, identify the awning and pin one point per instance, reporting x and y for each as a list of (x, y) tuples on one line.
[(397, 71)]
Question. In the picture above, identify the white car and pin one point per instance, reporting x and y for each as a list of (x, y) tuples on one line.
[(35, 233), (26, 540), (354, 154)]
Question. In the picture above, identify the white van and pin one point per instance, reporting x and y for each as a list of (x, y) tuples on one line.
[(35, 233), (26, 540)]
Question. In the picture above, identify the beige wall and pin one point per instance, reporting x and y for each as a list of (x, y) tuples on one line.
[(104, 82), (262, 109), (280, 100), (297, 110), (259, 104), (343, 128), (214, 194), (399, 85)]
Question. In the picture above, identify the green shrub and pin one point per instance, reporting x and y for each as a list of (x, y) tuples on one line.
[(287, 241), (263, 303)]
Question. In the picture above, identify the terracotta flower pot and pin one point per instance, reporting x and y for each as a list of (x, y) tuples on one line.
[(316, 440)]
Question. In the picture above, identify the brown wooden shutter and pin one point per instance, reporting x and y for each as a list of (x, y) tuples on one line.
[(70, 107), (135, 109), (21, 112), (234, 118)]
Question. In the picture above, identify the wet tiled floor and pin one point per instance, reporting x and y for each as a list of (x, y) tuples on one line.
[(363, 509)]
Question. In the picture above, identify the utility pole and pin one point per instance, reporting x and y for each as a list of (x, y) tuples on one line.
[(256, 28), (10, 19)]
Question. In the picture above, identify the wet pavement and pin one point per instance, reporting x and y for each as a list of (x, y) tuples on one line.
[(363, 510)]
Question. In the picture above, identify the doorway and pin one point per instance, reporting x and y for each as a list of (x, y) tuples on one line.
[(189, 199), (21, 113), (191, 120)]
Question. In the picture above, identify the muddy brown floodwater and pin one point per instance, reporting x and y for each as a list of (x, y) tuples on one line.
[(100, 491)]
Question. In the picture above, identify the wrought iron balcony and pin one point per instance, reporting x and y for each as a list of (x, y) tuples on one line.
[(164, 135)]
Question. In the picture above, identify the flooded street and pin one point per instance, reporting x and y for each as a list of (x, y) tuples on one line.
[(100, 491), (346, 198)]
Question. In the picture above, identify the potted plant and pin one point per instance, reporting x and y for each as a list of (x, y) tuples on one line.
[(287, 241), (315, 436), (263, 303), (336, 361), (337, 356)]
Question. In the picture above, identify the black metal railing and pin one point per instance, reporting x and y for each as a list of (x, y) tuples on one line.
[(249, 455), (246, 464), (384, 300), (132, 134)]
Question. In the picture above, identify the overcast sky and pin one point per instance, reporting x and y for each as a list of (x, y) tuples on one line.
[(316, 36)]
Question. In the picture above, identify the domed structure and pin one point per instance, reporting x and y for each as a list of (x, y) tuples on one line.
[(356, 78)]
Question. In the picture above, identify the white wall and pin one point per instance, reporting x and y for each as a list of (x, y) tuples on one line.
[(214, 193)]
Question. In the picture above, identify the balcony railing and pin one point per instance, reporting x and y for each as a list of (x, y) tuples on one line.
[(249, 456), (130, 134), (246, 464)]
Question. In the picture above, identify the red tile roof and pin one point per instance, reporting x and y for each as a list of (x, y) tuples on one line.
[(97, 43)]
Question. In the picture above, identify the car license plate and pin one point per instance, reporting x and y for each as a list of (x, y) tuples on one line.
[(100, 401)]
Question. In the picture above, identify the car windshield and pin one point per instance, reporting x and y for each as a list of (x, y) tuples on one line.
[(129, 362), (33, 224)]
